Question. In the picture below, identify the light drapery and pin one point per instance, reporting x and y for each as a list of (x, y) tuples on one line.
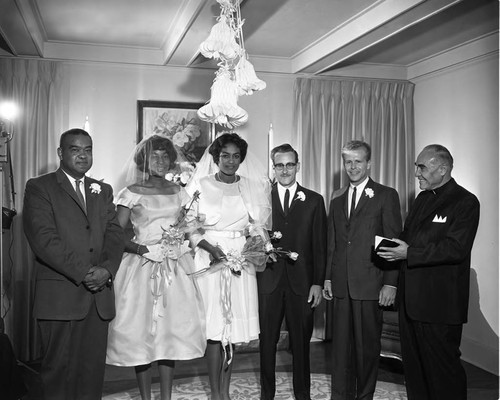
[(35, 87), (330, 112)]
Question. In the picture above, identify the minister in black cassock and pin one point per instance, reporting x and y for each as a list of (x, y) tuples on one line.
[(436, 246)]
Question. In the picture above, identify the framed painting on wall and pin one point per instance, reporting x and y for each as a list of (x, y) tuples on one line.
[(179, 122)]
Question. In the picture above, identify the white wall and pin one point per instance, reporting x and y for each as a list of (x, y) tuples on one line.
[(458, 108), (108, 94)]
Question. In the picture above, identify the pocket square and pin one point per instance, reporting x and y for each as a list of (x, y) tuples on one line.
[(439, 219)]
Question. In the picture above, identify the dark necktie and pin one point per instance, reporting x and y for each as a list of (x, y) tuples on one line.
[(353, 202), (286, 202), (79, 192)]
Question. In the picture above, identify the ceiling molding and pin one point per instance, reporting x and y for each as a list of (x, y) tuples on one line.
[(102, 53), (467, 52), (183, 23), (282, 36), (380, 13), (32, 21)]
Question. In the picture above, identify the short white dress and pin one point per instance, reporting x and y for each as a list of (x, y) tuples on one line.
[(171, 324)]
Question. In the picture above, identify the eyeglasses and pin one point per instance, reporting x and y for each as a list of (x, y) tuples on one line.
[(289, 166)]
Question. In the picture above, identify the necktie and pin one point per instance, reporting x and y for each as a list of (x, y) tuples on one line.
[(353, 202), (79, 192), (286, 202)]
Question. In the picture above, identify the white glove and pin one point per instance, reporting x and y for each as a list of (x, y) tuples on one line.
[(155, 253)]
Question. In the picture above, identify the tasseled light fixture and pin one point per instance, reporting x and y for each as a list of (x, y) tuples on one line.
[(236, 75)]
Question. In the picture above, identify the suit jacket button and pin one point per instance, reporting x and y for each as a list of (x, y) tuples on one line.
[(88, 227), (91, 250)]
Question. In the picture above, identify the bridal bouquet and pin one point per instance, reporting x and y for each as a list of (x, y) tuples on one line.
[(172, 244), (256, 251)]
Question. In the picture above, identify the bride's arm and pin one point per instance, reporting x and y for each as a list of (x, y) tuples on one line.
[(123, 215)]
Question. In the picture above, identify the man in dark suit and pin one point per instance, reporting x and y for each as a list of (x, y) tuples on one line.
[(288, 288), (436, 246), (70, 222), (358, 280)]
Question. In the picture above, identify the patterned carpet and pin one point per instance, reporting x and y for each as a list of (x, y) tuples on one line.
[(245, 386)]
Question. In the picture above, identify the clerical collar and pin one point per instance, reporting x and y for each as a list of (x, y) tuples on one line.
[(441, 189)]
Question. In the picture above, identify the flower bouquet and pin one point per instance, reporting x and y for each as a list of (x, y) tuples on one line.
[(165, 254), (256, 251), (172, 244)]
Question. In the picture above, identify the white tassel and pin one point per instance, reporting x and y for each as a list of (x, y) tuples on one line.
[(221, 43), (246, 78), (223, 108)]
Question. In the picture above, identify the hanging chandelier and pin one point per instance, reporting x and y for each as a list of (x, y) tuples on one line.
[(235, 76)]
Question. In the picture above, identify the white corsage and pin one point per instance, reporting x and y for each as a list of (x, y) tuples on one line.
[(276, 235), (180, 179), (95, 188), (369, 192), (301, 196)]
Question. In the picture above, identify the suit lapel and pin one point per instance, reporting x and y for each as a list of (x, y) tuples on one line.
[(91, 200), (66, 186), (295, 198), (345, 201), (430, 212), (363, 200), (276, 200)]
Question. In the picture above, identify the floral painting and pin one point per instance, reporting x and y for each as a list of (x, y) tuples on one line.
[(177, 121)]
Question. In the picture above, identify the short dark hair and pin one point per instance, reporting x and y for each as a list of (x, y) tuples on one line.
[(73, 131), (356, 145), (223, 140), (442, 153), (284, 148), (153, 143)]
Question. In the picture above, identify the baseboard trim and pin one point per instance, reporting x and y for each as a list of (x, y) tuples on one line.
[(480, 355)]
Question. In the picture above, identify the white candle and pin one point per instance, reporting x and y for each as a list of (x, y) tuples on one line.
[(86, 125), (270, 147)]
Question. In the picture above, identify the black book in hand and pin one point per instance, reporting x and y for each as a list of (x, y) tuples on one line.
[(381, 241)]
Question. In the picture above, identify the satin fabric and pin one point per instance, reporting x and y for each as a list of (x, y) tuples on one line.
[(225, 210), (149, 328)]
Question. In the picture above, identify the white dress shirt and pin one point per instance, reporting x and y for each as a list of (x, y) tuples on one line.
[(281, 193)]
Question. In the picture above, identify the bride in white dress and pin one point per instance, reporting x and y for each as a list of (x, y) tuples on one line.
[(159, 311), (236, 205)]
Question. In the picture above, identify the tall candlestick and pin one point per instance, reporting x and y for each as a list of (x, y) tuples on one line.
[(86, 125), (270, 147)]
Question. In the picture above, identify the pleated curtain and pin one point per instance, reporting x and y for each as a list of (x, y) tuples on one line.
[(35, 87), (330, 112)]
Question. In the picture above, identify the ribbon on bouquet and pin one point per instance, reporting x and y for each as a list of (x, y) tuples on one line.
[(161, 277), (227, 313), (232, 264)]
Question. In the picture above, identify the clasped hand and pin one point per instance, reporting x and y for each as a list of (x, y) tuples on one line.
[(96, 279)]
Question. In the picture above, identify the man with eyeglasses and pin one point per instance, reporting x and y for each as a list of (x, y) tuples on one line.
[(435, 247), (358, 281), (291, 288)]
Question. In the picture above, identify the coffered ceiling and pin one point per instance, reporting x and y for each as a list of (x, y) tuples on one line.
[(288, 36)]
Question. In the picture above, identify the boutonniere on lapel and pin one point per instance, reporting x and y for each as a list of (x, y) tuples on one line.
[(95, 188), (301, 195), (369, 192)]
